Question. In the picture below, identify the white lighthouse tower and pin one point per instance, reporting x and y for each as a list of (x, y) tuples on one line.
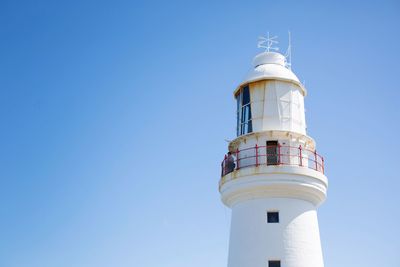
[(273, 178)]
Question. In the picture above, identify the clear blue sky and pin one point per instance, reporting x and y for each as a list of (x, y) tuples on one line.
[(114, 115)]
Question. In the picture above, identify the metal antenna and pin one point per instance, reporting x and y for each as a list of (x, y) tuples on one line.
[(267, 43), (288, 54)]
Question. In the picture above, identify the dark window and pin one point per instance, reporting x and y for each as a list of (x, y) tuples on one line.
[(238, 102), (272, 153), (246, 95), (243, 114), (274, 263), (273, 217)]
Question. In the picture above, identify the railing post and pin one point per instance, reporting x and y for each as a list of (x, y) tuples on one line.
[(316, 160), (256, 147), (237, 159), (301, 156), (279, 154)]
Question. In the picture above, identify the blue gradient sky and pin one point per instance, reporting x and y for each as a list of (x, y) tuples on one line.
[(114, 115)]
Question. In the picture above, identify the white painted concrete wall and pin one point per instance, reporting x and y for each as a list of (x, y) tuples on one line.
[(295, 240)]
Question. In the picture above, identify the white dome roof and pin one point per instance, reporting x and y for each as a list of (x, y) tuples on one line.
[(270, 66)]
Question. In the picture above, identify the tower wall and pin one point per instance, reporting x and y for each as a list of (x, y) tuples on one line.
[(294, 240)]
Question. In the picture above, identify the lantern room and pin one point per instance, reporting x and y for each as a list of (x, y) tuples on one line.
[(270, 98)]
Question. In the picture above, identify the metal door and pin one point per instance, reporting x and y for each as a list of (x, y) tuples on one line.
[(272, 152)]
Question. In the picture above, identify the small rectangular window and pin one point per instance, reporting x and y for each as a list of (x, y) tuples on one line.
[(273, 217), (274, 263)]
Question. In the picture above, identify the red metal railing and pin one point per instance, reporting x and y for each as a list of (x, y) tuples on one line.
[(272, 155)]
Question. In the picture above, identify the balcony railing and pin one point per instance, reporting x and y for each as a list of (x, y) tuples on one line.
[(272, 156)]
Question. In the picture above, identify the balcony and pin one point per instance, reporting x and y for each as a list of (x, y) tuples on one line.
[(275, 155)]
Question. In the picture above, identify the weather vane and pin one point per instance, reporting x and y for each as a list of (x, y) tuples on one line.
[(267, 43)]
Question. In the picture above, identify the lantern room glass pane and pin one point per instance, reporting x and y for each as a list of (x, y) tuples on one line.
[(243, 115), (246, 95), (237, 114)]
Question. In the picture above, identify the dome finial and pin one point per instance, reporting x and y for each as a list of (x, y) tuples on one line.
[(267, 42)]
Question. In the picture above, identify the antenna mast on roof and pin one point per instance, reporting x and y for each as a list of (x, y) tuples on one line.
[(288, 54), (267, 43)]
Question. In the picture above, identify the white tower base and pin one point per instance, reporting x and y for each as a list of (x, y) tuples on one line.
[(291, 191), (294, 240)]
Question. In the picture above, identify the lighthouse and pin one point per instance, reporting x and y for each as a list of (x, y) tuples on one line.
[(272, 178)]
